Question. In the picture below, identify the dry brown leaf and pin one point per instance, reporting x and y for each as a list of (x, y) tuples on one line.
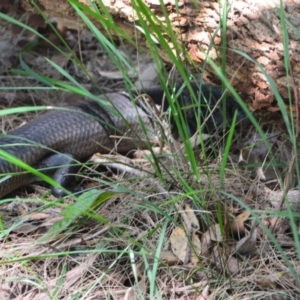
[(204, 295), (212, 235), (60, 59), (51, 37), (278, 226), (147, 76), (247, 244), (185, 219), (277, 108), (169, 258), (270, 281), (273, 109), (2, 295), (31, 19), (73, 275), (234, 210), (137, 291), (25, 228), (142, 154), (206, 243), (115, 74), (36, 21), (196, 249), (284, 240), (215, 233), (192, 217), (179, 243), (50, 221), (287, 279), (237, 224), (41, 296), (34, 216), (275, 224), (223, 259)]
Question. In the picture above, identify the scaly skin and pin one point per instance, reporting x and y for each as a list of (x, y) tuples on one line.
[(80, 130), (76, 131)]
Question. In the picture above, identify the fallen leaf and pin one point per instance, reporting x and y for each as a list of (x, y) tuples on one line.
[(223, 259), (41, 296), (215, 233), (147, 76), (212, 235), (247, 244), (25, 228), (204, 295), (195, 249), (50, 221), (59, 59), (179, 243), (73, 275), (238, 226), (192, 217), (169, 258), (33, 20), (234, 210), (270, 281), (2, 295), (275, 224), (137, 291), (34, 216), (116, 74), (284, 240)]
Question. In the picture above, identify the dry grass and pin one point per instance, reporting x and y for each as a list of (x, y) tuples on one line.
[(119, 259)]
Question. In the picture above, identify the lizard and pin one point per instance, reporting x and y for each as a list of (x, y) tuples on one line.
[(57, 140)]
